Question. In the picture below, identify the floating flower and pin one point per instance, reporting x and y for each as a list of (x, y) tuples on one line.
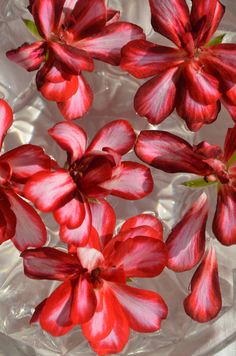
[(89, 174), (192, 77), (94, 291), (19, 221), (72, 34)]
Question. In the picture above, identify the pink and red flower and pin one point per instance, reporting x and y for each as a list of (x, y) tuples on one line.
[(18, 220), (73, 33), (193, 77), (90, 173), (94, 291)]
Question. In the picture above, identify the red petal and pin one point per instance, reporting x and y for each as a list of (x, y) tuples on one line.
[(231, 107), (7, 220), (139, 231), (186, 242), (58, 91), (169, 153), (55, 315), (130, 180), (170, 18), (144, 59), (103, 220), (204, 302), (70, 138), (144, 309), (142, 220), (36, 315), (106, 45), (84, 301), (28, 56), (5, 172), (52, 71), (156, 98), (71, 214), (118, 135), (79, 103), (90, 258), (49, 263), (6, 119), (224, 226), (112, 16), (50, 190), (30, 230), (230, 143)]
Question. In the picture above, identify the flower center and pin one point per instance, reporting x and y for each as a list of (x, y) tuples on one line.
[(95, 278)]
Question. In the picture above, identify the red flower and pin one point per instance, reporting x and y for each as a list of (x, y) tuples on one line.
[(91, 173), (18, 220), (94, 291), (191, 77), (73, 33)]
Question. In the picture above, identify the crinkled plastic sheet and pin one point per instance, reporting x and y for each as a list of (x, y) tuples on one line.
[(114, 91)]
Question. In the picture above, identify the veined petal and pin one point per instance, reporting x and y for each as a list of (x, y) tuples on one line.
[(50, 190), (155, 99), (58, 91), (170, 18), (130, 180), (144, 59), (71, 138), (28, 56), (118, 135), (71, 214), (186, 242), (106, 45), (112, 16), (230, 143), (204, 302), (142, 220), (49, 263), (6, 119), (144, 309), (79, 103), (169, 153)]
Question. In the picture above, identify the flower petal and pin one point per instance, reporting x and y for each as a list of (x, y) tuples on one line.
[(7, 220), (186, 242), (79, 103), (6, 119), (230, 143), (90, 258), (204, 302), (28, 56), (106, 45), (112, 16), (155, 99), (142, 220), (130, 180), (49, 263), (58, 91), (144, 309), (30, 230), (169, 153), (170, 18), (139, 231), (71, 138), (71, 214), (144, 59), (50, 190)]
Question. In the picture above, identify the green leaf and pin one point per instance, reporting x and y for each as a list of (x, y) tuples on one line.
[(215, 41), (197, 183), (32, 28), (231, 160)]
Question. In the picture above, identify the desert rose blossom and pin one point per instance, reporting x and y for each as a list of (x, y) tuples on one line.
[(89, 173), (19, 221), (94, 292), (71, 35), (193, 76), (172, 154)]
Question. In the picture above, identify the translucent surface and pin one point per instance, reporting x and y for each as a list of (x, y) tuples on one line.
[(114, 91)]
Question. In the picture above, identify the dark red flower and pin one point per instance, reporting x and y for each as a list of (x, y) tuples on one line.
[(192, 77)]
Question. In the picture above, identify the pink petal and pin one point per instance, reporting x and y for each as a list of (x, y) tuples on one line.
[(50, 190), (6, 119), (144, 59), (112, 16), (28, 56), (230, 143), (186, 242), (71, 214), (103, 220), (70, 138), (52, 71), (204, 302), (84, 301), (106, 45), (169, 153), (156, 98), (224, 226), (170, 18), (55, 315), (49, 263), (117, 135), (90, 258), (79, 103), (141, 220), (30, 230), (140, 231), (58, 91), (130, 180), (144, 309), (25, 161)]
